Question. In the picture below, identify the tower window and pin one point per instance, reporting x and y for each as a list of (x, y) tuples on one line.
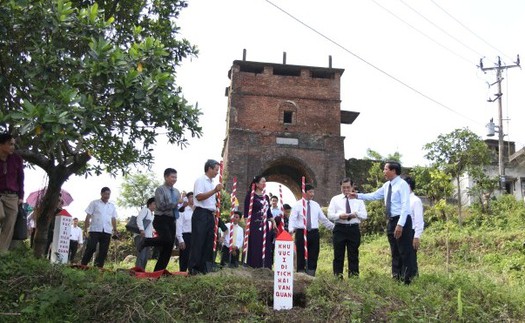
[(288, 117)]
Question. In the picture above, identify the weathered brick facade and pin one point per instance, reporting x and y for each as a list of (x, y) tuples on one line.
[(284, 123)]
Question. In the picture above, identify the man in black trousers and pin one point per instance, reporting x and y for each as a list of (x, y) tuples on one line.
[(168, 200), (203, 220), (314, 217), (396, 194), (347, 212)]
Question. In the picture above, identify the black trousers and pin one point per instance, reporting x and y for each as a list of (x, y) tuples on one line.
[(202, 235), (102, 239), (232, 262), (184, 255), (312, 238), (165, 227), (346, 238), (73, 247), (402, 250)]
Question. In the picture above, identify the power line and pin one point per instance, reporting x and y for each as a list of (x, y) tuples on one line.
[(439, 28), (370, 64), (422, 33), (468, 29)]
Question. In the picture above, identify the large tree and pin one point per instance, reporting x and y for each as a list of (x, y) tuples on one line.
[(81, 82), (456, 153)]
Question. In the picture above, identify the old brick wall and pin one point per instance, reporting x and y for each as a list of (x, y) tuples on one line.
[(260, 142)]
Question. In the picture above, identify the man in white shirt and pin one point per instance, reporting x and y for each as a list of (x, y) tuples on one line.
[(396, 194), (314, 216), (203, 220), (184, 232), (275, 209), (101, 220), (347, 212), (238, 238), (75, 239), (418, 223)]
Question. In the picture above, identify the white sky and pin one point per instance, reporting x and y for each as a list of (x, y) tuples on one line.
[(392, 116)]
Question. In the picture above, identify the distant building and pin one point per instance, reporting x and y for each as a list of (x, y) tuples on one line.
[(514, 171)]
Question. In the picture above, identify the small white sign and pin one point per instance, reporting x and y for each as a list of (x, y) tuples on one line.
[(61, 235), (287, 141), (283, 272)]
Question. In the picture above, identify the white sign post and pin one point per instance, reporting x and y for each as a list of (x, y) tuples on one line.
[(61, 235), (283, 275)]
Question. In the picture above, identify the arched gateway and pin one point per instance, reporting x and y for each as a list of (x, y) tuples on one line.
[(284, 122)]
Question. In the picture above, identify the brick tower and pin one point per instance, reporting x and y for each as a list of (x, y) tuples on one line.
[(283, 122)]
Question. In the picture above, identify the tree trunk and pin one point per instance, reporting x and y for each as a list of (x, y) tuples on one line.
[(45, 211)]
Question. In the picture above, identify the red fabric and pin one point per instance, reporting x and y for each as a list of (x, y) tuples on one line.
[(139, 272)]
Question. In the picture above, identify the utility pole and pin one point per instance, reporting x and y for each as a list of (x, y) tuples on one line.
[(499, 129)]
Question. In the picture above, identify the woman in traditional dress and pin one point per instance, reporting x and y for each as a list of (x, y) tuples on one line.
[(261, 206)]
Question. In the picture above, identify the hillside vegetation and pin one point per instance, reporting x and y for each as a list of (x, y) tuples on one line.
[(473, 273)]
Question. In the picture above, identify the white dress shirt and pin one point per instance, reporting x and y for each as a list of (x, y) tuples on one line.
[(276, 211), (145, 214), (204, 184), (239, 238), (101, 215), (418, 224), (337, 207), (184, 223), (400, 200), (317, 216), (76, 234)]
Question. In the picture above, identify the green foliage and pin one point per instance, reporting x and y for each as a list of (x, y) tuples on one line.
[(440, 212), (137, 189), (457, 152), (374, 155), (483, 188), (375, 178), (432, 183), (376, 221), (81, 81), (484, 283), (506, 212)]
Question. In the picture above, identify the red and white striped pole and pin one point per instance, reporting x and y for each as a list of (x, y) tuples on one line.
[(281, 199), (247, 230), (218, 212), (305, 224), (264, 209), (232, 212), (281, 226)]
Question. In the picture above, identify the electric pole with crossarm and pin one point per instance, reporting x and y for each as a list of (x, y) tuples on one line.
[(492, 128)]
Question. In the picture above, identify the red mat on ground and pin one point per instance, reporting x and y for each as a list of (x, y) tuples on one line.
[(139, 272)]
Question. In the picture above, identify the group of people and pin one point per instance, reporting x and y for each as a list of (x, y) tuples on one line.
[(189, 219)]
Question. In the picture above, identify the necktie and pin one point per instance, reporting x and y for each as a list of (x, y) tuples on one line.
[(173, 200), (308, 217), (388, 201), (348, 209)]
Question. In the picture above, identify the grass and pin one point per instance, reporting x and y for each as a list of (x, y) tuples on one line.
[(484, 281)]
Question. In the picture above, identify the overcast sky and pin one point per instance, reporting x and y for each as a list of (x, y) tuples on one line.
[(410, 71)]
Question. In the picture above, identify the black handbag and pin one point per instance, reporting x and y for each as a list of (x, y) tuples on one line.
[(132, 224), (20, 229)]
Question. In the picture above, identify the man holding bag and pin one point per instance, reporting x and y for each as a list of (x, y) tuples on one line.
[(11, 188)]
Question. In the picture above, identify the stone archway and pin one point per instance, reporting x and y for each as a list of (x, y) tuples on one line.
[(289, 172)]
